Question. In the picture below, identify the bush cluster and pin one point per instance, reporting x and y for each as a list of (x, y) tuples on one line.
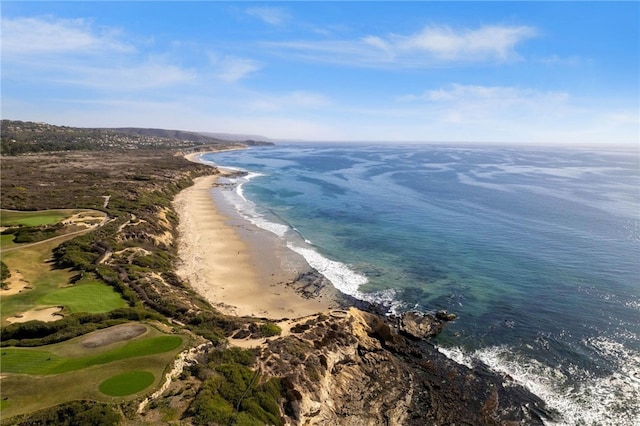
[(5, 273), (79, 253), (235, 394), (270, 329), (86, 413), (212, 325), (38, 333)]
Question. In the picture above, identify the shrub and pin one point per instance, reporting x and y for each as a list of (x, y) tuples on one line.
[(5, 273), (77, 253), (30, 234), (233, 355), (270, 329), (211, 325), (237, 395), (209, 408), (38, 333), (86, 413)]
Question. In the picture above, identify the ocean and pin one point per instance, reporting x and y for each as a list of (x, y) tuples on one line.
[(536, 249)]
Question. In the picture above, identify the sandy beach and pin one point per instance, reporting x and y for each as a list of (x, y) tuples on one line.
[(237, 267)]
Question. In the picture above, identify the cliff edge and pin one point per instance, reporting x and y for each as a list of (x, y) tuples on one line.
[(352, 368)]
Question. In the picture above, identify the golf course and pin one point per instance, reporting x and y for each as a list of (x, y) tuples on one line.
[(37, 290), (116, 362), (119, 362)]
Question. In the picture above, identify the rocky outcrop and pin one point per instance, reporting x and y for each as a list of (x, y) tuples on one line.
[(352, 368), (417, 326)]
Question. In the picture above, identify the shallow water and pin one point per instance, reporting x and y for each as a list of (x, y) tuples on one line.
[(536, 249)]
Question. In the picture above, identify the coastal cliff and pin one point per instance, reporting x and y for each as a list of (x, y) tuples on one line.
[(352, 368)]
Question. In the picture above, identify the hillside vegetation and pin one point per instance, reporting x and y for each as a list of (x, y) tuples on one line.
[(21, 137), (133, 253)]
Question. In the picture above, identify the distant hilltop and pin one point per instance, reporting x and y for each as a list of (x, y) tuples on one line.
[(238, 137), (201, 137), (20, 137)]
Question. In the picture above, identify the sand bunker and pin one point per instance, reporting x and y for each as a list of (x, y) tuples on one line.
[(112, 335), (16, 284), (45, 315), (85, 219)]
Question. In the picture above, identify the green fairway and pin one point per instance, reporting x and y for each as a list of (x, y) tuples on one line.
[(30, 361), (36, 378), (31, 263), (49, 286), (127, 383), (35, 218), (92, 297), (6, 241)]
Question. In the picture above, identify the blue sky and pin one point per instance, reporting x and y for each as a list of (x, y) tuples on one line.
[(528, 72)]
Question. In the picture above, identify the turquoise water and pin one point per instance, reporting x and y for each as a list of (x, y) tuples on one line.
[(536, 249)]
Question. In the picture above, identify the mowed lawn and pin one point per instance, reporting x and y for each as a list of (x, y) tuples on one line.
[(6, 241), (36, 378), (127, 383), (32, 263), (50, 286), (92, 297), (34, 218), (36, 361), (11, 218)]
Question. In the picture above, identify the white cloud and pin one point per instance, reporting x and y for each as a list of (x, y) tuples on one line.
[(233, 68), (513, 114), (143, 76), (44, 35), (378, 43), (308, 99), (432, 46), (485, 43), (498, 95), (624, 117), (78, 53), (270, 15), (572, 60)]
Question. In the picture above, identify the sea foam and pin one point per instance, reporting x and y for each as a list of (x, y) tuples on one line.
[(247, 209), (580, 397), (341, 276)]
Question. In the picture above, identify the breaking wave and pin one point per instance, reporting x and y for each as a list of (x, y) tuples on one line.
[(581, 397)]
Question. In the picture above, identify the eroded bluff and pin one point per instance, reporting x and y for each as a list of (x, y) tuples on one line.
[(352, 368)]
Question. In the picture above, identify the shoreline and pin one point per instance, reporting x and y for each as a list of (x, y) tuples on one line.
[(240, 269)]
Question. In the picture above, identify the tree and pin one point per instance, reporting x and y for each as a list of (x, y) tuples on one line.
[(5, 273)]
